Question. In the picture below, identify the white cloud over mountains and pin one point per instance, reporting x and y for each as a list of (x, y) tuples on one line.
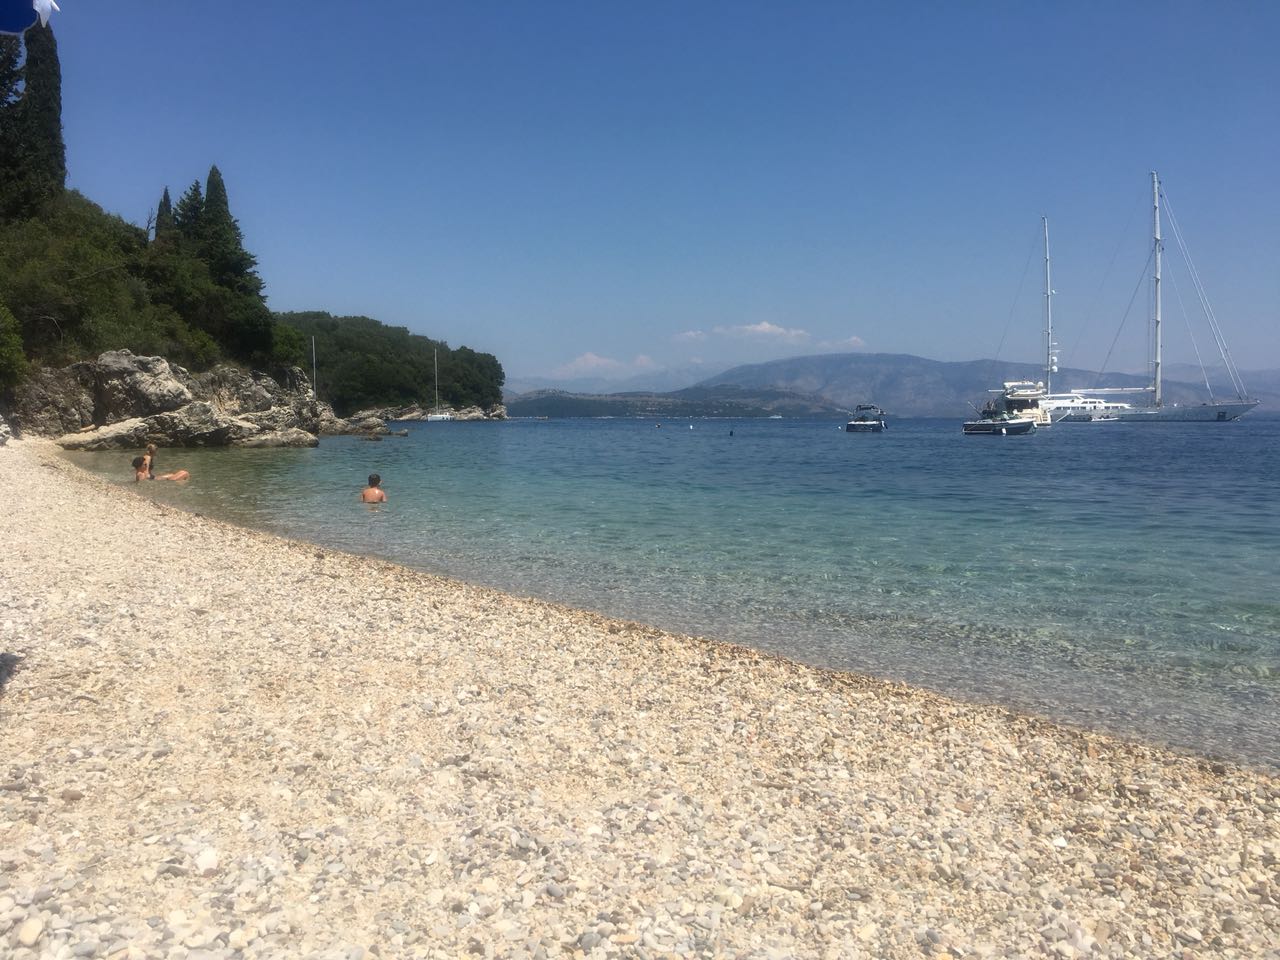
[(848, 343), (750, 337), (764, 330), (592, 364)]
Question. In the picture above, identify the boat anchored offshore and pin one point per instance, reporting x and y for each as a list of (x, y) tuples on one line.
[(436, 415), (994, 422), (1077, 408), (1027, 399), (1215, 410), (867, 418)]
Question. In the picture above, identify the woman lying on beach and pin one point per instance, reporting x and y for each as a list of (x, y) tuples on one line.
[(141, 471)]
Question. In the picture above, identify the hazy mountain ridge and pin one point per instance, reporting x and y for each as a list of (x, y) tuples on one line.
[(727, 400), (911, 386), (904, 385), (666, 380)]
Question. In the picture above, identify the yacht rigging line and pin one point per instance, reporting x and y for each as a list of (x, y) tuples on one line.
[(1191, 334), (1114, 340), (1091, 312), (1236, 381), (1013, 309)]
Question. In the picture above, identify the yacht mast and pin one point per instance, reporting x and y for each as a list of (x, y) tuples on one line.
[(1050, 359), (1155, 207)]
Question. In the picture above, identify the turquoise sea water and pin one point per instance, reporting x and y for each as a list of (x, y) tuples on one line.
[(1117, 576)]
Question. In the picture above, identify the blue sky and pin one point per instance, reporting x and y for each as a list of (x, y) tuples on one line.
[(603, 188)]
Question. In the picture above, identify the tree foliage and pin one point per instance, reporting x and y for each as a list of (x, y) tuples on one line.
[(75, 280), (189, 213), (13, 362), (33, 158), (362, 363), (164, 218)]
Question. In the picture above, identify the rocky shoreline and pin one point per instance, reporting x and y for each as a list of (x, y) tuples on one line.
[(123, 402), (220, 744)]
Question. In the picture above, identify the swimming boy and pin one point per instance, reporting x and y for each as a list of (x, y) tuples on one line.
[(373, 493)]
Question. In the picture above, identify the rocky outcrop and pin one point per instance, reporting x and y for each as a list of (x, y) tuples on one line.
[(289, 437), (52, 402), (5, 432), (496, 412), (417, 412), (121, 401)]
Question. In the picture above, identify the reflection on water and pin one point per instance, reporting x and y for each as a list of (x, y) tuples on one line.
[(1120, 578)]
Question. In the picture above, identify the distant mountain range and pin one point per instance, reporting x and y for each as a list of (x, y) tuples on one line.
[(726, 400), (904, 385), (656, 381)]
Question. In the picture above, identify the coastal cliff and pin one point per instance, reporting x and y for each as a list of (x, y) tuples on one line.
[(122, 401)]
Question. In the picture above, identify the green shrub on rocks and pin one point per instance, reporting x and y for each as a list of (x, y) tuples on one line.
[(13, 363)]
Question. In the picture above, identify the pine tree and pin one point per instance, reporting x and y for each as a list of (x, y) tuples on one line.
[(222, 246), (41, 151), (189, 214), (164, 216)]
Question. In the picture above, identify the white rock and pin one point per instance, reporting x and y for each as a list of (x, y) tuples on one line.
[(30, 931), (207, 862)]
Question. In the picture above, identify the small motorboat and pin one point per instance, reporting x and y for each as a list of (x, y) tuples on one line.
[(867, 418), (998, 423)]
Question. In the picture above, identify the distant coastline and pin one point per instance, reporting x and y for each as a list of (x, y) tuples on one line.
[(904, 385)]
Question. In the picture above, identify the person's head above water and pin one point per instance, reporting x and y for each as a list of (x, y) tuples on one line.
[(374, 479)]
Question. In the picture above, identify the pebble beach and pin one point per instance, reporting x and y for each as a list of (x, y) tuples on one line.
[(222, 744)]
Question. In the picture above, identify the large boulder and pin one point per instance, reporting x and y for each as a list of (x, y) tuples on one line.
[(291, 437), (125, 435), (199, 424), (129, 386), (117, 386), (235, 391), (52, 402), (366, 424)]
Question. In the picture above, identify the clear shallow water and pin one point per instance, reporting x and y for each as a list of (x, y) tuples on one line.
[(1118, 576)]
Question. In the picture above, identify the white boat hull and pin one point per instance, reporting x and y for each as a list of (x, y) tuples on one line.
[(1192, 413)]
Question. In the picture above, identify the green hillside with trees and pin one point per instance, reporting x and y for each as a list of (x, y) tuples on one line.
[(76, 281), (362, 363)]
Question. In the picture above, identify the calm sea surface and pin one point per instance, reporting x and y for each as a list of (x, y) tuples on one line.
[(1117, 576)]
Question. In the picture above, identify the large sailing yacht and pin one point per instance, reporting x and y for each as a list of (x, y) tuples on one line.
[(1214, 410)]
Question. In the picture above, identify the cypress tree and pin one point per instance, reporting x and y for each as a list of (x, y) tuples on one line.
[(164, 216), (10, 78), (230, 264), (41, 151), (10, 73)]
